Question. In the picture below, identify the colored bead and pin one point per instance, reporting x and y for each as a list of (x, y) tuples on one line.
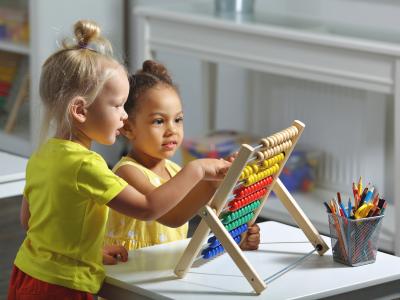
[(260, 155), (265, 142)]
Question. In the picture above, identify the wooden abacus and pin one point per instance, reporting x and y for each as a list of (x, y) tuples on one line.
[(252, 176)]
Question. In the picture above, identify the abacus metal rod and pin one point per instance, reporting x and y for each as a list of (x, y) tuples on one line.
[(288, 268), (238, 184), (200, 256), (259, 146)]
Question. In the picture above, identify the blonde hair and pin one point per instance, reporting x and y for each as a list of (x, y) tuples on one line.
[(79, 68)]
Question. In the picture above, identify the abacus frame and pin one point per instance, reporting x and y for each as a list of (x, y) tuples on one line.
[(210, 212)]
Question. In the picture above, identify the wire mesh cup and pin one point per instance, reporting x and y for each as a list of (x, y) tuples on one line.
[(354, 242)]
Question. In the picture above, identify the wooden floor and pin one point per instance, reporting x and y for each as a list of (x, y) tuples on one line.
[(11, 236)]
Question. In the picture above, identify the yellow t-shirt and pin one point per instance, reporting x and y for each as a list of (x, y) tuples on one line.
[(67, 187), (134, 234)]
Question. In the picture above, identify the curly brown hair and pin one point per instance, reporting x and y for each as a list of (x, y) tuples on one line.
[(151, 75)]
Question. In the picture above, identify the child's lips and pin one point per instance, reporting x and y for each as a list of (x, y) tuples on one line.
[(169, 145), (118, 131)]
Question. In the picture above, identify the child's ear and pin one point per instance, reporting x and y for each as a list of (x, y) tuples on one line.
[(78, 109), (127, 130)]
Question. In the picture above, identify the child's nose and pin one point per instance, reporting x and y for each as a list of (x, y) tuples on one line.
[(124, 115), (172, 128)]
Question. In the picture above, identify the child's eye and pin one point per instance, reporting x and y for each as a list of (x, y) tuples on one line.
[(179, 120), (158, 121)]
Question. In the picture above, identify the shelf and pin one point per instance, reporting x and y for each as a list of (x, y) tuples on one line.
[(14, 47), (11, 189), (18, 141), (19, 145), (13, 167), (12, 174), (311, 204)]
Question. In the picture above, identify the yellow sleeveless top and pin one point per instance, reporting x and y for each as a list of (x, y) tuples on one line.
[(134, 234)]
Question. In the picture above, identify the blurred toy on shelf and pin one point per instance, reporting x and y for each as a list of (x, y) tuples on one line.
[(14, 25), (8, 71), (299, 171), (215, 145), (14, 88)]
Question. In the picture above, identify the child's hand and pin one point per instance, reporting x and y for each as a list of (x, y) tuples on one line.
[(252, 239), (232, 157), (213, 169), (215, 184), (113, 253)]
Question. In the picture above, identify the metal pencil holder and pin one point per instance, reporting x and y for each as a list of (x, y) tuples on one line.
[(354, 241)]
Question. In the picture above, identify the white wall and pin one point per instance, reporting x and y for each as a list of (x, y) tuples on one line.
[(52, 21), (370, 13), (352, 127)]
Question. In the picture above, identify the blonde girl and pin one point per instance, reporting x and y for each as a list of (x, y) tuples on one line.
[(69, 187), (154, 129)]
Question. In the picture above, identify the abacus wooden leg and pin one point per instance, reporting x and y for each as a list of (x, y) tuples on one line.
[(300, 217), (218, 201), (233, 249), (193, 249)]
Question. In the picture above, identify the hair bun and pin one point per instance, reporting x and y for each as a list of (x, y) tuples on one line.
[(86, 31), (158, 70)]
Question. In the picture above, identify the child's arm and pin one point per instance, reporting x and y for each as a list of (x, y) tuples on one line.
[(152, 206), (190, 205), (24, 214), (184, 210), (136, 178)]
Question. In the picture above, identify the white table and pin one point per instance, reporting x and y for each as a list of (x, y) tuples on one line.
[(148, 274), (12, 175), (303, 49)]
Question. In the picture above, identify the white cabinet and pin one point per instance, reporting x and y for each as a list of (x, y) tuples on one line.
[(49, 22), (338, 55)]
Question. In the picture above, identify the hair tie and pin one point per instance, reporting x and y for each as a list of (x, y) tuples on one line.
[(86, 46), (82, 45)]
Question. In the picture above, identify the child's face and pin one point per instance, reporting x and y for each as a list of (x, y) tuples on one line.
[(157, 125), (106, 114)]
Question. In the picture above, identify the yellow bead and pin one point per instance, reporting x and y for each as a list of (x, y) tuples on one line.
[(255, 168), (250, 169)]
